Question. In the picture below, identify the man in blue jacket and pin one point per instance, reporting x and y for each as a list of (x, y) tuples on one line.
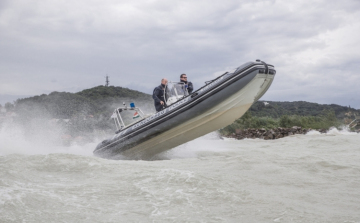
[(187, 84), (158, 95)]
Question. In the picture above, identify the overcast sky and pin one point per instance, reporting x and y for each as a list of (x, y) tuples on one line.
[(58, 45)]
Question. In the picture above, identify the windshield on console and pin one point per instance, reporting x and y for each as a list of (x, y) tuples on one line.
[(174, 91)]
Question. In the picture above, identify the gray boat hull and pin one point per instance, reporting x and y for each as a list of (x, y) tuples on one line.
[(212, 107)]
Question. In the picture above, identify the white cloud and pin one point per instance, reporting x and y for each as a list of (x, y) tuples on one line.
[(314, 45)]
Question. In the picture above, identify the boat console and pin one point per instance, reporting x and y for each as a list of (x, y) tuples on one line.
[(174, 91)]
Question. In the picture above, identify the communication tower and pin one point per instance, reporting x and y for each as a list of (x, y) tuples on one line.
[(107, 81)]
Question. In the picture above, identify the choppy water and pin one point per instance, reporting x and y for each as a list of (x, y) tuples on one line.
[(311, 178)]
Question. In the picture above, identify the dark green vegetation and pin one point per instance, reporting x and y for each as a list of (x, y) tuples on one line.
[(302, 108), (288, 114), (95, 101), (80, 114)]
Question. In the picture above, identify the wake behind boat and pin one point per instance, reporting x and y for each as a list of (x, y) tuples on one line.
[(188, 116)]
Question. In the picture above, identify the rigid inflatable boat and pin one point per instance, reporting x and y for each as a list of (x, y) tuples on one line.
[(188, 116)]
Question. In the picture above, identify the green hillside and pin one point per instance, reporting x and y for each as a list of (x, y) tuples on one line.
[(275, 109), (271, 114), (95, 101), (101, 93), (74, 115), (88, 111)]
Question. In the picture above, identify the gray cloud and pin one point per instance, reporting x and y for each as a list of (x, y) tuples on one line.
[(314, 45)]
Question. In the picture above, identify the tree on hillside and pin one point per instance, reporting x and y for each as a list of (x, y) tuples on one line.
[(8, 106)]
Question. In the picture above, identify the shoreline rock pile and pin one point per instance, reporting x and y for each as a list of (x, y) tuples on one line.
[(269, 134)]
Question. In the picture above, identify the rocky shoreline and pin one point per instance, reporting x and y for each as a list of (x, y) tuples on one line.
[(269, 134)]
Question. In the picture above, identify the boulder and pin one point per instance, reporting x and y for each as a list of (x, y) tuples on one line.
[(269, 136)]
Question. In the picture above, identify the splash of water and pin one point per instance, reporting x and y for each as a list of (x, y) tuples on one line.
[(344, 131), (16, 139)]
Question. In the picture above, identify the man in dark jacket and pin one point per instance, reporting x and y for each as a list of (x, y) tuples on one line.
[(158, 95), (187, 84)]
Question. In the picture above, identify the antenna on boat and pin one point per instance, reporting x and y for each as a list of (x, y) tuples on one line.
[(107, 81)]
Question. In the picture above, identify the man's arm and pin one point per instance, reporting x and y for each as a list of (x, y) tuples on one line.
[(190, 87), (155, 95)]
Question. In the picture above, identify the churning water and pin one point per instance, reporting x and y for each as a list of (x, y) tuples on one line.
[(302, 178)]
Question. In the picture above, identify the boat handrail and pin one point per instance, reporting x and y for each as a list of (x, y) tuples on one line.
[(119, 122), (210, 81), (349, 126)]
